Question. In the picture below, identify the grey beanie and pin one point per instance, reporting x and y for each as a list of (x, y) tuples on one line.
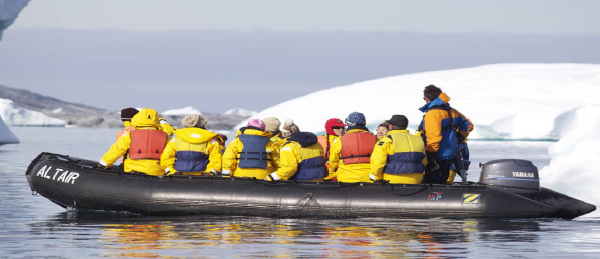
[(194, 120)]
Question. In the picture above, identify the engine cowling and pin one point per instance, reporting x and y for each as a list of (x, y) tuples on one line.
[(515, 175)]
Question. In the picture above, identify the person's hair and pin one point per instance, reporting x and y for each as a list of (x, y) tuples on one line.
[(431, 92), (394, 127), (384, 124)]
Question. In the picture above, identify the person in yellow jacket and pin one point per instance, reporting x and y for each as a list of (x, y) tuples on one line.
[(400, 156), (142, 146), (301, 158), (193, 150), (272, 125), (126, 115), (334, 128), (165, 126), (251, 154), (350, 154)]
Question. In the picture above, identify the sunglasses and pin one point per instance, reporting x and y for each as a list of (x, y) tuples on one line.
[(337, 127)]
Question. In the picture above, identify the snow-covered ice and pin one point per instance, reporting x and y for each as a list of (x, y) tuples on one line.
[(241, 112), (14, 115), (9, 11), (504, 101), (6, 136), (183, 111), (573, 169)]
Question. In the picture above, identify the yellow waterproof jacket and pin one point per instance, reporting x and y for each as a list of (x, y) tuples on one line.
[(301, 158), (166, 127), (405, 147), (190, 149), (277, 138), (232, 154), (145, 119), (351, 173)]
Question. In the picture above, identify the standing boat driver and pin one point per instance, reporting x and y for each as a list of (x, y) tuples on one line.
[(399, 157), (351, 153), (442, 129), (193, 150), (142, 147), (301, 158), (251, 154)]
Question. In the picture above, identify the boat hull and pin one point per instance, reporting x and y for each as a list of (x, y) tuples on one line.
[(76, 183)]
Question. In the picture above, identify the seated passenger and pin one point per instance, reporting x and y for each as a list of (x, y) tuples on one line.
[(399, 157), (126, 115), (382, 130), (165, 126), (334, 128), (289, 128), (351, 153), (251, 153), (301, 158), (143, 146), (193, 150), (272, 126)]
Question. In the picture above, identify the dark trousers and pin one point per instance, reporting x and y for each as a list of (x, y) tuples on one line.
[(439, 176)]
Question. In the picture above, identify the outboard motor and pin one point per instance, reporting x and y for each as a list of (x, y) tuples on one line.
[(513, 175)]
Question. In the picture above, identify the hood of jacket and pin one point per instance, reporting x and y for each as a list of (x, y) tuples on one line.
[(254, 131), (146, 118), (194, 135), (305, 139), (442, 100)]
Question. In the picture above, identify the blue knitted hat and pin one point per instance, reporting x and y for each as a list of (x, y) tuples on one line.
[(356, 118)]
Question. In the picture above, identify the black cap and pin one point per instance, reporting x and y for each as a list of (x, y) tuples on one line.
[(399, 121), (128, 113)]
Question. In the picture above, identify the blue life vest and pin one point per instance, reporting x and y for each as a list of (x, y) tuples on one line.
[(311, 169), (404, 162), (190, 161), (254, 153)]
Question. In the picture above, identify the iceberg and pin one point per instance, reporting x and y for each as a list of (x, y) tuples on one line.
[(183, 111), (6, 136), (9, 10), (572, 169), (240, 112), (17, 116), (504, 101)]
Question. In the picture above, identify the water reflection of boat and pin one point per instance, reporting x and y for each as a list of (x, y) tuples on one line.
[(76, 183), (138, 236)]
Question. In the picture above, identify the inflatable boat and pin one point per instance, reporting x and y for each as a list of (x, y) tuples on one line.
[(508, 188)]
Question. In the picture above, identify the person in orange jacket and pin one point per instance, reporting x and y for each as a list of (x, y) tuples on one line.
[(442, 129)]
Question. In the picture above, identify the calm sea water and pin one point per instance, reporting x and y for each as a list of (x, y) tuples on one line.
[(33, 227)]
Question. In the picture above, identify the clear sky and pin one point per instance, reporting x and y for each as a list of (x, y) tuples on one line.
[(219, 55), (431, 16)]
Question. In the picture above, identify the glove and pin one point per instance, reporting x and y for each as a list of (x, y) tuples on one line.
[(432, 164), (100, 166)]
